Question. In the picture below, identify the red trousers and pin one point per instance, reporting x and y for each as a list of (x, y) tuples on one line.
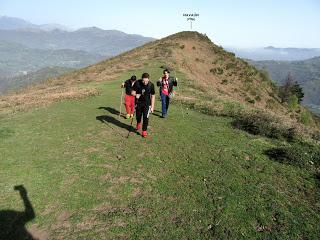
[(129, 102)]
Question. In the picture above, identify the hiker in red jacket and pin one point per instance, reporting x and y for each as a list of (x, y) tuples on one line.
[(129, 99), (166, 84)]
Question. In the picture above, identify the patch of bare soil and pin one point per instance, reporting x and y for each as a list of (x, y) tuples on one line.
[(37, 233)]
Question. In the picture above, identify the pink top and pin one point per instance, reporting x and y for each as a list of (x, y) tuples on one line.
[(165, 86)]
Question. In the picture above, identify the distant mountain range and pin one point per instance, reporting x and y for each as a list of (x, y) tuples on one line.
[(26, 47), (93, 40), (17, 59), (10, 23), (277, 54), (306, 73)]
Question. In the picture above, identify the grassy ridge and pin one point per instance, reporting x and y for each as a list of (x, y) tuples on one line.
[(195, 177)]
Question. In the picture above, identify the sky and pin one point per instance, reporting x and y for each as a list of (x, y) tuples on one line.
[(237, 23)]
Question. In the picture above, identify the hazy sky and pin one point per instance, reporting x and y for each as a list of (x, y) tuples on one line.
[(241, 23)]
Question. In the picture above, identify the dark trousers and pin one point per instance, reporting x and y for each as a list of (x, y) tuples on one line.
[(165, 100), (143, 110)]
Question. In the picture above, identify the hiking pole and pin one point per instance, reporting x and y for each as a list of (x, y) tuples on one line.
[(149, 111), (121, 104), (179, 91)]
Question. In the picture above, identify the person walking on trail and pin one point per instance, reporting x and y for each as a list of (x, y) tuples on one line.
[(144, 92), (129, 99), (166, 84)]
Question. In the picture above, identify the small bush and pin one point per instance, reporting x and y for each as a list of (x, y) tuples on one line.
[(182, 46), (250, 72), (216, 108), (169, 67), (259, 123), (301, 154), (230, 65), (218, 70), (258, 98), (305, 118), (199, 60), (224, 81), (270, 104), (232, 109), (194, 48), (249, 100), (315, 135), (293, 103), (264, 75)]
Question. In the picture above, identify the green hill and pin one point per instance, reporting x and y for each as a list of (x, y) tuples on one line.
[(197, 176)]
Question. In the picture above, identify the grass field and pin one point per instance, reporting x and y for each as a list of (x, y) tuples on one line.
[(194, 177)]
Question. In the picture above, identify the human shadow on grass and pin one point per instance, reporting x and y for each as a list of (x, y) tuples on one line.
[(12, 223), (157, 111), (112, 111), (158, 115), (109, 119), (116, 112)]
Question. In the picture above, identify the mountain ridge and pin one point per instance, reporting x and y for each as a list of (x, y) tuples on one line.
[(214, 80)]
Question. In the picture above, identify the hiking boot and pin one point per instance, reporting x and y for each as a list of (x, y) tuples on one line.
[(144, 134), (128, 116), (138, 126)]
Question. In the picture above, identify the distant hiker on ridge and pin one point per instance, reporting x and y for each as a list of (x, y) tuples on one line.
[(129, 99), (166, 84), (144, 92)]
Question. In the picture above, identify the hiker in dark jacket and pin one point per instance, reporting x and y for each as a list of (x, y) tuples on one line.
[(129, 99), (166, 84), (144, 92)]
